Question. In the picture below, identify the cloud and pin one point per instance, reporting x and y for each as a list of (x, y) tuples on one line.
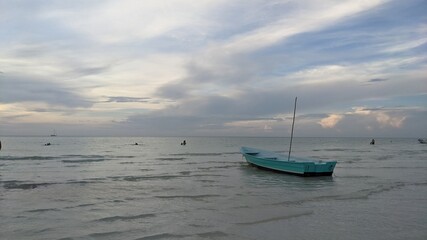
[(267, 127), (377, 80), (386, 120), (360, 121), (410, 44), (368, 120), (330, 121), (257, 101), (18, 89), (131, 20), (87, 71), (180, 67), (316, 16), (13, 118), (167, 125), (383, 122), (231, 61), (386, 117), (128, 99), (175, 90)]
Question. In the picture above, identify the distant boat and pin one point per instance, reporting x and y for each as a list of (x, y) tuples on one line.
[(54, 133), (288, 164), (423, 141)]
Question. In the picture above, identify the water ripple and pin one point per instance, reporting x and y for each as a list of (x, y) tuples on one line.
[(125, 218)]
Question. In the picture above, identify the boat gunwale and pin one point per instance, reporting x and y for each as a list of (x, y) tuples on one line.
[(251, 157), (281, 158)]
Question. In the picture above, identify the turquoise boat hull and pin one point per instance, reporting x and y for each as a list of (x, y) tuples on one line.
[(295, 165)]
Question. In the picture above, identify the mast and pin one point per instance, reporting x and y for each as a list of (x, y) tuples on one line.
[(292, 132)]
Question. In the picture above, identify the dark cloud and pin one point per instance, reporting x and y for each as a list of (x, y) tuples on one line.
[(318, 98), (85, 71), (313, 116), (252, 104), (171, 123), (221, 68), (31, 50), (382, 109), (377, 80), (45, 110), (176, 90), (128, 99), (28, 89), (165, 123), (13, 117), (217, 69)]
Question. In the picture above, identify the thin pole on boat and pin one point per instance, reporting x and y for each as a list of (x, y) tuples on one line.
[(292, 132)]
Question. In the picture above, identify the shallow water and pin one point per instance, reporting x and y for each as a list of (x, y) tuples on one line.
[(109, 188)]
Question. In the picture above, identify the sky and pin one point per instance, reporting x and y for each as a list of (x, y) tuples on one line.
[(213, 68)]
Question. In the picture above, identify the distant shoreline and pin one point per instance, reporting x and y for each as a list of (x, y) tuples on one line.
[(70, 136)]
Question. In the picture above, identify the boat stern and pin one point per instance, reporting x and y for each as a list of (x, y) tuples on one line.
[(320, 168)]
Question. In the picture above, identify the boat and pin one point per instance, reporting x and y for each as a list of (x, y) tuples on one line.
[(294, 165), (54, 133), (288, 164), (422, 141)]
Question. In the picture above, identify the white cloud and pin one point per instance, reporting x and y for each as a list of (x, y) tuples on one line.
[(386, 120), (316, 15), (265, 124), (406, 46), (136, 77), (330, 121), (267, 127), (132, 20), (324, 74), (385, 117), (362, 72)]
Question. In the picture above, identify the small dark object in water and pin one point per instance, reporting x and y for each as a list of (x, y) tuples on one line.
[(184, 143), (136, 143), (373, 142), (47, 144), (24, 186)]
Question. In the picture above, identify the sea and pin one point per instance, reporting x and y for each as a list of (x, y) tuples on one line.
[(111, 188)]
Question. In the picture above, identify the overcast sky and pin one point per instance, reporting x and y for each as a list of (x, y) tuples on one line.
[(213, 68)]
